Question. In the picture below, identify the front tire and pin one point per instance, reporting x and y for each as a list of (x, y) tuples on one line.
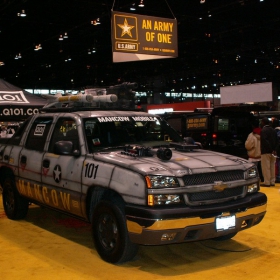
[(15, 206), (110, 233)]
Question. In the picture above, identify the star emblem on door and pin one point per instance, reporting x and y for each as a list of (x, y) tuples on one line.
[(57, 173)]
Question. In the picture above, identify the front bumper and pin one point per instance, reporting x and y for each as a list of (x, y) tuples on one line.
[(147, 225)]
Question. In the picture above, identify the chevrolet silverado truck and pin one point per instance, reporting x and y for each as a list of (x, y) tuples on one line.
[(129, 174)]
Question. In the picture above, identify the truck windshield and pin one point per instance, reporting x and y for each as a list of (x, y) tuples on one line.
[(115, 131)]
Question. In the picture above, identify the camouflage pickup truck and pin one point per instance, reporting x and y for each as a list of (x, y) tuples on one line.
[(129, 174)]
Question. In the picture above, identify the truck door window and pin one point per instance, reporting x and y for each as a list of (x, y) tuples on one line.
[(65, 129), (15, 139), (38, 134)]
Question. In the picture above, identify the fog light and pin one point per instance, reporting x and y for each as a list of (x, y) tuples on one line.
[(161, 199), (252, 188), (168, 236)]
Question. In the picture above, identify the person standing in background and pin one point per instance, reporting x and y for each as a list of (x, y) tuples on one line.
[(253, 147), (275, 125), (269, 146)]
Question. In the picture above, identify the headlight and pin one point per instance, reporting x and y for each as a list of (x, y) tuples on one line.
[(163, 182), (252, 172), (158, 182)]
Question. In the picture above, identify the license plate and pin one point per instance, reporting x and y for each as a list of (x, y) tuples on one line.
[(224, 223)]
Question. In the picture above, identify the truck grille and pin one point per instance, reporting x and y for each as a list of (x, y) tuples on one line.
[(210, 178), (212, 195), (209, 197)]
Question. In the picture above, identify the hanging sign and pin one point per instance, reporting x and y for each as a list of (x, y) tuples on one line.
[(140, 37)]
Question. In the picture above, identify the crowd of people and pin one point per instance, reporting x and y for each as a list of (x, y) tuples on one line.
[(263, 148), (7, 132)]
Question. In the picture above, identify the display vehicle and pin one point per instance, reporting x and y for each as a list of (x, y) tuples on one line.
[(129, 174)]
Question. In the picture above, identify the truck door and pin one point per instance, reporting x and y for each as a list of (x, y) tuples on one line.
[(10, 151), (61, 174), (30, 158)]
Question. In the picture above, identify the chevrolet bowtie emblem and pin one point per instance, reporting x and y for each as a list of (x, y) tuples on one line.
[(219, 186)]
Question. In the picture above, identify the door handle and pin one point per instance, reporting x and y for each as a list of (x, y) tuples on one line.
[(23, 159), (46, 163)]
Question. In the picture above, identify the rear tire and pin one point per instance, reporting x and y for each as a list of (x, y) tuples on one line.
[(110, 233), (15, 206)]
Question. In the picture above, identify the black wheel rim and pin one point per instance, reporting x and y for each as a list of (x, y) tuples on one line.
[(108, 232)]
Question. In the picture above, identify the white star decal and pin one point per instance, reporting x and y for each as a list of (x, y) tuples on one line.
[(57, 174)]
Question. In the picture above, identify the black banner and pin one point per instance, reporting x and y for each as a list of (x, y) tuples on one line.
[(140, 37)]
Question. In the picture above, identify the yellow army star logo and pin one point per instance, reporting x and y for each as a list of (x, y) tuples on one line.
[(126, 28)]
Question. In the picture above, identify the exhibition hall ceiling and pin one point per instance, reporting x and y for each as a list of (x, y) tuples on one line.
[(219, 42)]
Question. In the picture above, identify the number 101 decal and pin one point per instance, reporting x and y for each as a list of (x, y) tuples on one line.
[(91, 170)]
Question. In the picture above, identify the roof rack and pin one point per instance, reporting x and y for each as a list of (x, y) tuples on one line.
[(77, 102), (118, 97)]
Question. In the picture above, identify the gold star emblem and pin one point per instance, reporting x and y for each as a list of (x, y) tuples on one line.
[(126, 28)]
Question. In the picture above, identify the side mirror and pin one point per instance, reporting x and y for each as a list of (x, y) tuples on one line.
[(65, 148)]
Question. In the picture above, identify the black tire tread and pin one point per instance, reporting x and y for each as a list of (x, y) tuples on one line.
[(127, 250), (18, 210)]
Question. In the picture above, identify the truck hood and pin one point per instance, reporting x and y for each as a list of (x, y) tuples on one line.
[(181, 163)]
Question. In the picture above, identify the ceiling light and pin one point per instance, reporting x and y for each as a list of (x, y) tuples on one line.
[(18, 56), (38, 47), (202, 1), (65, 35), (141, 4), (2, 63), (21, 14), (60, 37), (96, 21)]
